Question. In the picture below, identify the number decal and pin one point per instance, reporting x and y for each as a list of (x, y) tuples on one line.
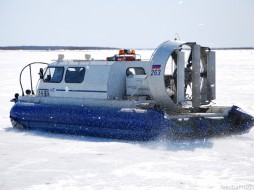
[(155, 72)]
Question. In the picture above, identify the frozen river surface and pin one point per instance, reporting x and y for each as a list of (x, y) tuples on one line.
[(38, 161)]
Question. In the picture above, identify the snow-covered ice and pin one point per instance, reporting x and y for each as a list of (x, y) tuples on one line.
[(33, 160)]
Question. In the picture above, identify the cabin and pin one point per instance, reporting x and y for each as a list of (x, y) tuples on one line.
[(95, 79)]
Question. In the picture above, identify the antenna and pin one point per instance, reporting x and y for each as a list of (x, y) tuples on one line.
[(177, 37)]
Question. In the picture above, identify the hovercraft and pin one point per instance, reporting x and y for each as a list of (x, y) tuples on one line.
[(125, 97)]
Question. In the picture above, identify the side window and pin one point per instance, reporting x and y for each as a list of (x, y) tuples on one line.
[(135, 71), (75, 75), (53, 74)]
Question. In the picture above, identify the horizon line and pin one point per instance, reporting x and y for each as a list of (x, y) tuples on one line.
[(58, 47)]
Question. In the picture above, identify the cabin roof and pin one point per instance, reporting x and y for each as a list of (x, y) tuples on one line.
[(76, 62), (93, 63)]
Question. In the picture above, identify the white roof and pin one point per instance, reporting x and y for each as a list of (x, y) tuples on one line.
[(81, 62)]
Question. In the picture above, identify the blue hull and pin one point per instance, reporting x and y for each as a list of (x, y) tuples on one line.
[(128, 124)]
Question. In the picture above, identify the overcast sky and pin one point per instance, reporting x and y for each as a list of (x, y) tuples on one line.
[(126, 23)]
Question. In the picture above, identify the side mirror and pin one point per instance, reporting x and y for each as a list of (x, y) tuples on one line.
[(41, 73)]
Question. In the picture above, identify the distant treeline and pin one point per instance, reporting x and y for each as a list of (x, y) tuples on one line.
[(48, 48), (233, 48)]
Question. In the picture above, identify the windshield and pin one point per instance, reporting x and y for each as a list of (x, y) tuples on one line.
[(53, 74)]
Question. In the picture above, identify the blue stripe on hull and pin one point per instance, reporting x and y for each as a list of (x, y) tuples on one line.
[(93, 131), (124, 124)]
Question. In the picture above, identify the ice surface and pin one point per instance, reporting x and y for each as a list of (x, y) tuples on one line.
[(37, 161)]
